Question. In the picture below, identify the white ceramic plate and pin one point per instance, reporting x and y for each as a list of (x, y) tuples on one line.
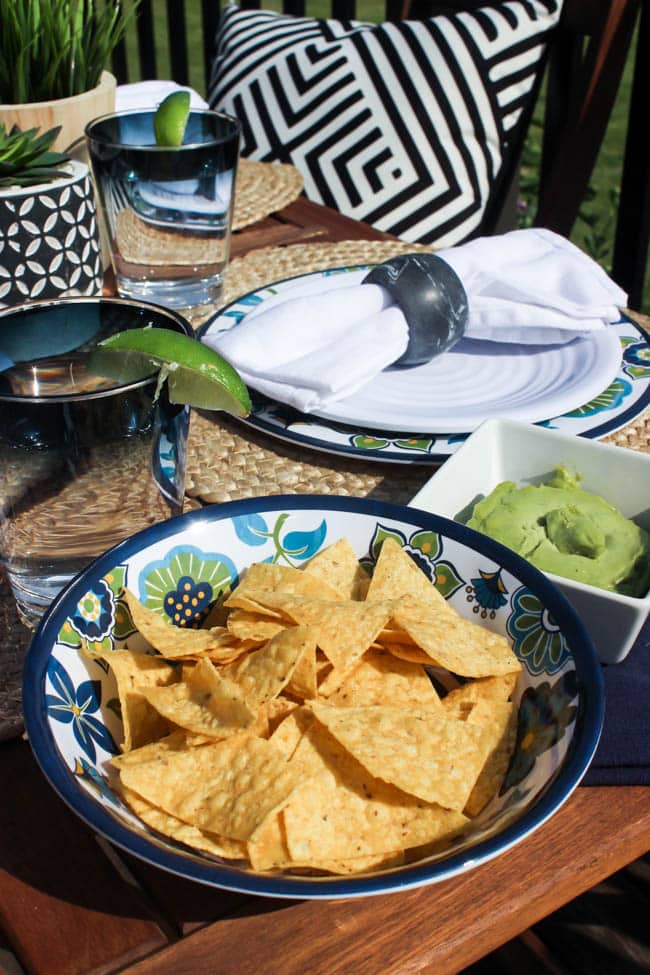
[(477, 381), (472, 382), (613, 406)]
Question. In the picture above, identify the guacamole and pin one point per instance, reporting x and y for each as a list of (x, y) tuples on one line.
[(562, 529)]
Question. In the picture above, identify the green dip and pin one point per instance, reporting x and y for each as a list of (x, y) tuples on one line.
[(562, 529)]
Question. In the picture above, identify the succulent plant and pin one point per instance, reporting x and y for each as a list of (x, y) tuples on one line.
[(26, 158)]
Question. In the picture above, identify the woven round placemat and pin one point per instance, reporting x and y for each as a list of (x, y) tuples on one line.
[(228, 461), (263, 188), (269, 264)]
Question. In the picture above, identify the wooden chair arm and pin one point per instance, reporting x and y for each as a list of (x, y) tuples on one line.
[(582, 86)]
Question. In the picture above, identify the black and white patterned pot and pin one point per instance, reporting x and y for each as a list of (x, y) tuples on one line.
[(49, 240)]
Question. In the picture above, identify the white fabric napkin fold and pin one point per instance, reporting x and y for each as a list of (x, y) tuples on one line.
[(149, 94), (315, 344), (533, 286)]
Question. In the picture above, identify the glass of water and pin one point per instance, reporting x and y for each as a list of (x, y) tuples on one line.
[(167, 211), (85, 460)]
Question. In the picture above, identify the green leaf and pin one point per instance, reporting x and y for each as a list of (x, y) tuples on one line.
[(26, 158)]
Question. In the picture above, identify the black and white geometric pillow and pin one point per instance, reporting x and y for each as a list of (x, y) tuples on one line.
[(49, 240), (405, 126)]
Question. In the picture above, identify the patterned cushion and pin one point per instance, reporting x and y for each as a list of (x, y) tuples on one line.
[(405, 126)]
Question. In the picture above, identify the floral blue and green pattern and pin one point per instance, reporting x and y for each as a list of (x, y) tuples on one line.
[(187, 564)]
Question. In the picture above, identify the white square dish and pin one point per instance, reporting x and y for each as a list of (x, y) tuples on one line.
[(507, 450)]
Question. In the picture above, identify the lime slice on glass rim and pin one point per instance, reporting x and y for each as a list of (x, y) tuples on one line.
[(170, 120), (196, 375)]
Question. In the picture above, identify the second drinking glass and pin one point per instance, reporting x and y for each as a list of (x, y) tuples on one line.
[(167, 209)]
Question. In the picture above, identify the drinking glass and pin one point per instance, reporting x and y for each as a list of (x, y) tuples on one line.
[(86, 459), (167, 211)]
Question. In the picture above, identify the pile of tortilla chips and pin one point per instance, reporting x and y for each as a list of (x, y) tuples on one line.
[(303, 732)]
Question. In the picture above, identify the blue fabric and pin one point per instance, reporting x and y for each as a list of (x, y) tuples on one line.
[(623, 754)]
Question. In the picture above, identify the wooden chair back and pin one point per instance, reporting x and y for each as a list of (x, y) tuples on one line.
[(586, 58)]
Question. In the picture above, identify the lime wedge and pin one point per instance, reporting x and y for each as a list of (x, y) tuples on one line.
[(196, 375), (170, 120)]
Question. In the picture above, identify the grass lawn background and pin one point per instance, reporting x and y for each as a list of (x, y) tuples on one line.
[(594, 230)]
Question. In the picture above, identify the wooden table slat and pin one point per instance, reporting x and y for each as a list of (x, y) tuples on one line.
[(333, 226), (63, 908), (185, 905), (442, 928)]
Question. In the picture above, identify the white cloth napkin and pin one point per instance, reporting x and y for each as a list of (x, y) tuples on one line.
[(533, 286), (149, 94), (313, 345)]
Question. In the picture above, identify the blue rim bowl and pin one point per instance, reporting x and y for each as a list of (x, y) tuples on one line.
[(546, 633)]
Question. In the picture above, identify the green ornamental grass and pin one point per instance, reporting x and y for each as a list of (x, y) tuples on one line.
[(57, 48)]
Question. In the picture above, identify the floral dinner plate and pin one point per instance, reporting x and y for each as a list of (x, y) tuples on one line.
[(611, 407)]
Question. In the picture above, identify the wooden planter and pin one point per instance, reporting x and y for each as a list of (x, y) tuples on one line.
[(73, 113)]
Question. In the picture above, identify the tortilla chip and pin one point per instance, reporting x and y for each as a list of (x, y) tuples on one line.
[(175, 741), (178, 740), (250, 626), (264, 673), (217, 614), (459, 708), (343, 812), (135, 672), (396, 574), (344, 630), (463, 647), (254, 607), (229, 788), (408, 652), (498, 719), (225, 655), (268, 850), (206, 703), (355, 865), (333, 678), (381, 679), (460, 701), (176, 829), (395, 634), (423, 753), (288, 733), (270, 577), (304, 679), (172, 641), (277, 710), (338, 567)]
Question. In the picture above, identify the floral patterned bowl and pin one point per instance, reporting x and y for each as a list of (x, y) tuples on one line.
[(70, 701)]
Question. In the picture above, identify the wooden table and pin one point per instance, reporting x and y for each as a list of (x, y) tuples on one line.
[(71, 904)]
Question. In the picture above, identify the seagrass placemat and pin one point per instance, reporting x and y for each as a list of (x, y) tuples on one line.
[(263, 188), (228, 461), (269, 264)]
